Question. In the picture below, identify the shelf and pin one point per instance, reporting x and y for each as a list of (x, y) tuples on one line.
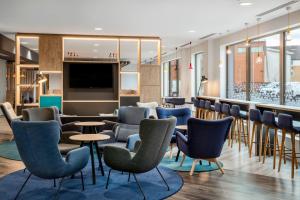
[(28, 85), (31, 66)]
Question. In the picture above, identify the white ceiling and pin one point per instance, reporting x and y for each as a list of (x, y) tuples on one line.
[(170, 19)]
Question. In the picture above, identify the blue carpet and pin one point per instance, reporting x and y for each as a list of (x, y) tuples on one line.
[(187, 165), (9, 150), (119, 188)]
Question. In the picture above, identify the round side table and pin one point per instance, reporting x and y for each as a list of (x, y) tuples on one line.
[(92, 139), (89, 127)]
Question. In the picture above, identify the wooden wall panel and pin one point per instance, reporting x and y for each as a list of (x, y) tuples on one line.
[(150, 83), (50, 53)]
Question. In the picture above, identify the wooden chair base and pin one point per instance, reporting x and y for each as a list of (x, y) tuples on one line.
[(196, 161)]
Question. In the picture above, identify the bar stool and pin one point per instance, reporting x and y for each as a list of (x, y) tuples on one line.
[(208, 111), (285, 123), (239, 125), (255, 117), (225, 112), (201, 109), (269, 122), (218, 111), (197, 106)]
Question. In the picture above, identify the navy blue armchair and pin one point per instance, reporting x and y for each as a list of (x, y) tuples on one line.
[(182, 115), (37, 143), (204, 141)]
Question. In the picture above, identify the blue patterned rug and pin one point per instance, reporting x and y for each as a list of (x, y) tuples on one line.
[(119, 188)]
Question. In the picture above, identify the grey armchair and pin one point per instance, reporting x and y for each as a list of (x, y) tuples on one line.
[(129, 119), (47, 114), (155, 138), (37, 146)]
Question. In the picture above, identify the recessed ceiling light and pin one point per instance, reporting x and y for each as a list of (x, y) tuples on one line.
[(96, 44), (98, 29), (192, 31), (246, 3)]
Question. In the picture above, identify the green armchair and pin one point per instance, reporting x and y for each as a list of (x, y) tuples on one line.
[(155, 138)]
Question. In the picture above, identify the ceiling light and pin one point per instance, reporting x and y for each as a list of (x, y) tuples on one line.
[(96, 44), (245, 3), (192, 31), (98, 29)]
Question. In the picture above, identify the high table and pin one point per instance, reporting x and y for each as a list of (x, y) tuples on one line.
[(92, 139)]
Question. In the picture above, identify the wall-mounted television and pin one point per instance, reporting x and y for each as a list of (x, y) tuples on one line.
[(91, 75)]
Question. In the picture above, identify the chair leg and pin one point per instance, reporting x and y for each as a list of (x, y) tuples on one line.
[(239, 135), (54, 182), (252, 139), (139, 185), (171, 151), (163, 178), (260, 141), (293, 154), (128, 177), (183, 158), (193, 167), (266, 143), (22, 186), (177, 156), (106, 186), (274, 148), (219, 166), (82, 181), (282, 148)]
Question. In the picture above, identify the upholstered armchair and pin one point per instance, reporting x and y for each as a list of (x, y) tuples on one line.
[(47, 114), (37, 146), (9, 113), (182, 115), (129, 119), (204, 141), (155, 137)]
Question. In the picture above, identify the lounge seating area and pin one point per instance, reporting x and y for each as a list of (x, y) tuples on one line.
[(122, 100)]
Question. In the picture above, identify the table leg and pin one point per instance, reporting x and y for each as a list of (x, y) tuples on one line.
[(93, 163), (99, 158)]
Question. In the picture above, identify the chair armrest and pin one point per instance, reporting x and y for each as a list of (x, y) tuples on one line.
[(110, 125), (78, 158), (70, 127), (115, 157), (181, 137), (131, 142)]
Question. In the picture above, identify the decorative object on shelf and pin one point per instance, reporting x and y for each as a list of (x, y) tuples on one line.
[(247, 36), (204, 79), (259, 59), (288, 31)]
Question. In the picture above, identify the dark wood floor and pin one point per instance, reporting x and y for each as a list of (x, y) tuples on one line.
[(244, 178)]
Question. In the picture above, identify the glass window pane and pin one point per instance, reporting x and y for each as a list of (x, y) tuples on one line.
[(174, 78), (265, 69), (166, 79), (292, 75), (198, 71), (237, 69)]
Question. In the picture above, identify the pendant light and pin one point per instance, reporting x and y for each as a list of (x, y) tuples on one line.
[(228, 50), (259, 59), (288, 32), (247, 43), (176, 59), (190, 66)]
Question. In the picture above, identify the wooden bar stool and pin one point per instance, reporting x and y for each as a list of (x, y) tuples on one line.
[(225, 112), (285, 123), (255, 117), (218, 112), (269, 122), (239, 126), (201, 109), (208, 111)]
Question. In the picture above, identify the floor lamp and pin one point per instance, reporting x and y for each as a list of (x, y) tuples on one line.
[(203, 80)]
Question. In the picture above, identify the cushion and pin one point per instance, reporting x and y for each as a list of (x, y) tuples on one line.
[(152, 107)]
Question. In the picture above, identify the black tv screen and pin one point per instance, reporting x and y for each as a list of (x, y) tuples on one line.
[(91, 75)]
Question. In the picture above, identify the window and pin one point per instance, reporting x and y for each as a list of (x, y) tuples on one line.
[(199, 64), (237, 71), (170, 78), (292, 70), (265, 70)]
